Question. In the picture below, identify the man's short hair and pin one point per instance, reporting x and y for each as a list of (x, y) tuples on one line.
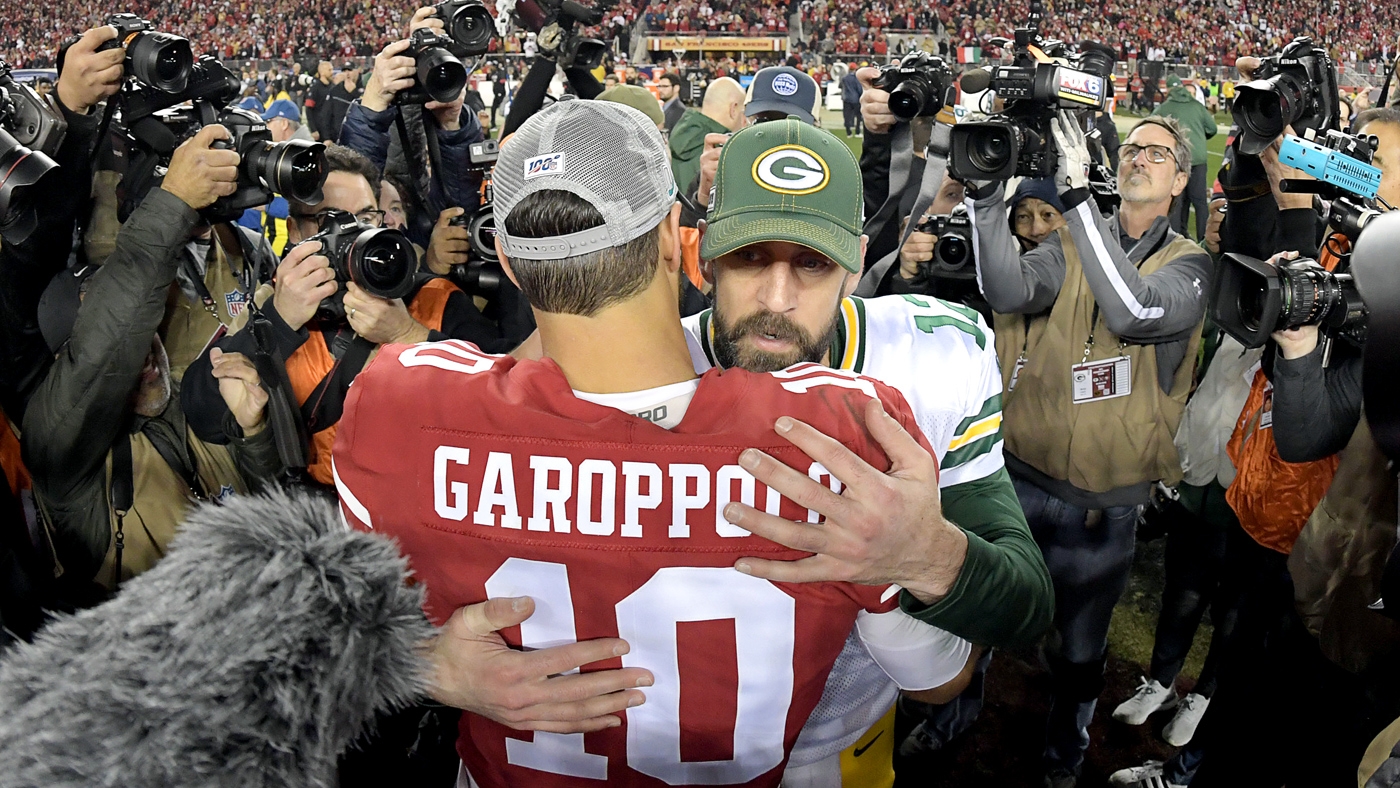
[(342, 159), (1376, 115), (1181, 150), (674, 79), (586, 284)]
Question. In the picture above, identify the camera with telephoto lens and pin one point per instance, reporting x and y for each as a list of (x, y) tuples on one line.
[(440, 74), (154, 123), (1017, 141), (952, 252), (380, 260), (1296, 87), (918, 85), (161, 60), (31, 131), (1253, 299), (555, 24), (469, 24)]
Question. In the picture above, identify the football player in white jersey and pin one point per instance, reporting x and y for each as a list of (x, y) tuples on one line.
[(776, 304)]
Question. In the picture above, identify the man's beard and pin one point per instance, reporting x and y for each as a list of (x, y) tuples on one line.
[(808, 348)]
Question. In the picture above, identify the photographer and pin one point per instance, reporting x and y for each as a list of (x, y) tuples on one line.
[(325, 347), (1097, 329), (88, 77), (369, 130), (318, 102), (109, 401), (1326, 402)]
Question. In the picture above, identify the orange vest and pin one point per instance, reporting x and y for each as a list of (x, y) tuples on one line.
[(1274, 498), (690, 256), (313, 361), (16, 475)]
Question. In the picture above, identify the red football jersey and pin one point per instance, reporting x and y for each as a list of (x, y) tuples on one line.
[(497, 481)]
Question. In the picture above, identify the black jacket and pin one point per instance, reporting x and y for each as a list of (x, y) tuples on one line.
[(1316, 410), (26, 268)]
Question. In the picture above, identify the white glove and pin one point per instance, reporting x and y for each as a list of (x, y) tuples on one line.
[(1072, 170)]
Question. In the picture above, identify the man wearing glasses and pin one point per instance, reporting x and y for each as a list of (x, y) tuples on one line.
[(1096, 331), (323, 354)]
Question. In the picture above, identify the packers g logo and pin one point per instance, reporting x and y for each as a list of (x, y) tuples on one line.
[(791, 169)]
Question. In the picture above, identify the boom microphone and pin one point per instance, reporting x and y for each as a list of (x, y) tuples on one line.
[(975, 81), (251, 655)]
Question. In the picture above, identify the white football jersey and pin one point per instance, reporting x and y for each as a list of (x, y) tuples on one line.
[(942, 358)]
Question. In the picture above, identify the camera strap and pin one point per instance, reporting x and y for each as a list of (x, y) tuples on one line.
[(327, 402), (283, 417), (122, 492), (935, 166)]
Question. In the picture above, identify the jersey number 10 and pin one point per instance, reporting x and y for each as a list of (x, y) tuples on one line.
[(764, 633)]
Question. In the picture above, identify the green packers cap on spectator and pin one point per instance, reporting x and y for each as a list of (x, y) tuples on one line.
[(786, 181)]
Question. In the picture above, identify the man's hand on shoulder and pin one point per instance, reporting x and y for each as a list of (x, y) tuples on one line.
[(884, 528), (474, 669)]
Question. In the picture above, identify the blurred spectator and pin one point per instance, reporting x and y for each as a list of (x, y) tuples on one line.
[(721, 113), (669, 91), (1199, 124)]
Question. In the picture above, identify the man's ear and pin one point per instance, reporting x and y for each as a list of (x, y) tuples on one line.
[(1179, 183), (505, 264), (669, 240)]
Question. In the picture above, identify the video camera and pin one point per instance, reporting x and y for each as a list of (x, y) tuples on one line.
[(31, 131), (468, 24), (1342, 166), (380, 260), (554, 22), (160, 60), (1253, 299), (918, 85), (1296, 87), (1046, 76), (440, 74), (154, 126), (952, 252)]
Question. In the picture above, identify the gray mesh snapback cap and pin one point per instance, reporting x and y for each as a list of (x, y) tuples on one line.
[(608, 154)]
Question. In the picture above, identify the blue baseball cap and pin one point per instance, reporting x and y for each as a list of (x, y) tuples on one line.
[(251, 103), (783, 89), (283, 108)]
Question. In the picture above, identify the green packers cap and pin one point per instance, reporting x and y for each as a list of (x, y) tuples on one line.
[(786, 181)]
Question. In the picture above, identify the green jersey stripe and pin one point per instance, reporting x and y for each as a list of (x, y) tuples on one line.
[(971, 451), (927, 323), (988, 408)]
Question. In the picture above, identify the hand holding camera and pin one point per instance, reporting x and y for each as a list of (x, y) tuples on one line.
[(200, 172), (450, 243), (304, 279), (381, 320), (709, 165), (393, 73), (1072, 168), (90, 72), (916, 253), (1278, 172), (875, 103)]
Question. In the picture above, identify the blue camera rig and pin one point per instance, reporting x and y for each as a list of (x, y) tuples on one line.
[(1340, 160)]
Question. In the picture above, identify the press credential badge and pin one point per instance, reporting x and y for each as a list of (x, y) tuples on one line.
[(1103, 379)]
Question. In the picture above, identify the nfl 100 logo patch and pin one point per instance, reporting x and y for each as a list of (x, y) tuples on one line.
[(548, 164)]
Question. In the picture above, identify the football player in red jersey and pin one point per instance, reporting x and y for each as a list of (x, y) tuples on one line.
[(595, 480)]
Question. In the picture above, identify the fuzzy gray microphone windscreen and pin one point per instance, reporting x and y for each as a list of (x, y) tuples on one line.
[(253, 654)]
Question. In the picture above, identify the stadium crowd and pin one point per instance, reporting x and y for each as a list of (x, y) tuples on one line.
[(721, 448)]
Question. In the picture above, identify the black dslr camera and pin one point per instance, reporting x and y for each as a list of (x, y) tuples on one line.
[(482, 273), (155, 122), (1297, 87), (469, 24), (441, 75), (918, 85), (1253, 299), (161, 60), (952, 252), (31, 131), (380, 260), (555, 21), (1018, 141)]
